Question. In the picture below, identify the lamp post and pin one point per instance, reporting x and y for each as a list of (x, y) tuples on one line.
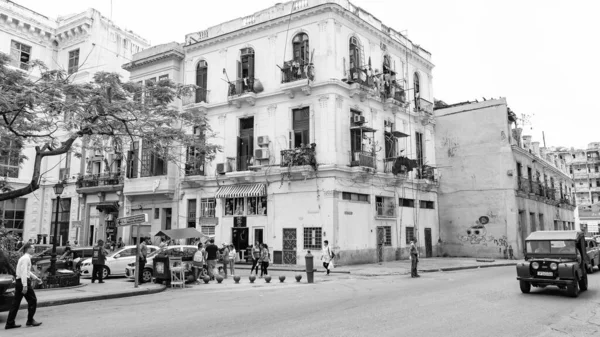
[(58, 189)]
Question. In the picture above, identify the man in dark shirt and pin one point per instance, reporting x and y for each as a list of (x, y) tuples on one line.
[(143, 256), (414, 259), (211, 257), (98, 261)]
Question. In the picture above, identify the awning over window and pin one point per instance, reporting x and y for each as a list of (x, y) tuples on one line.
[(363, 128), (108, 206), (238, 191)]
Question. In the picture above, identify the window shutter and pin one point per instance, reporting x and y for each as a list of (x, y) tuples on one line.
[(291, 139), (239, 69), (251, 66)]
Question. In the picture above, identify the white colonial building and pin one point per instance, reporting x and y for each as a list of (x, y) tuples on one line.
[(325, 119), (81, 44)]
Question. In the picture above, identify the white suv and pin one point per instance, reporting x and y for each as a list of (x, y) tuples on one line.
[(116, 262)]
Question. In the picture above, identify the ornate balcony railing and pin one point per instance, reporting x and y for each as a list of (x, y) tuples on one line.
[(241, 86), (358, 75), (363, 158), (294, 71), (298, 157), (103, 179)]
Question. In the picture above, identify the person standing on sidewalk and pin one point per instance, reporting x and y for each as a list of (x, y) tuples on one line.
[(212, 252), (255, 258), (264, 257), (98, 260), (414, 259), (24, 288), (143, 254), (326, 255), (225, 259), (232, 255), (199, 262)]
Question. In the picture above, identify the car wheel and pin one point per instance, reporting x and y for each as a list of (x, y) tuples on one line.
[(583, 283), (147, 275), (573, 289), (105, 272), (525, 287)]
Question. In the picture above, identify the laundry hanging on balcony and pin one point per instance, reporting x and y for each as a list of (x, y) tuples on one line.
[(404, 165)]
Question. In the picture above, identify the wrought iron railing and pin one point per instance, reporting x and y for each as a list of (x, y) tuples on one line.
[(423, 105), (103, 179), (524, 185), (241, 86), (358, 75), (298, 157), (294, 71), (396, 93), (363, 158), (201, 95)]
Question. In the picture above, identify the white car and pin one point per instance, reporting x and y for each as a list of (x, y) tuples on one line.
[(185, 251), (116, 262)]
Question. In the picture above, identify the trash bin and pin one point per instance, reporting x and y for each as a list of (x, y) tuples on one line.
[(161, 269)]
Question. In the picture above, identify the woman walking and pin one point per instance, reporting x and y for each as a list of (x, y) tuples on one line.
[(255, 258), (232, 255), (199, 262), (264, 257)]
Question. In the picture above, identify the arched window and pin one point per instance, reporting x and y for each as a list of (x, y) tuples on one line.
[(417, 92), (355, 61), (202, 81), (300, 47), (245, 71)]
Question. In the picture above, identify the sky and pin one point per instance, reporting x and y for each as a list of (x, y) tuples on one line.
[(542, 55)]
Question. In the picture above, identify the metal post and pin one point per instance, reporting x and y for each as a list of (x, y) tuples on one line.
[(53, 256), (137, 257)]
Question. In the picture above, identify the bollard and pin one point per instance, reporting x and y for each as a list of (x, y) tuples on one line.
[(309, 267)]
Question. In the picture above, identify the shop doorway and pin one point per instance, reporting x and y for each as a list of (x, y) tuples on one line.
[(239, 238), (258, 235), (289, 245), (428, 243)]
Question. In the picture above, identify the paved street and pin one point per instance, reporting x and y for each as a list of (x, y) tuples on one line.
[(484, 302)]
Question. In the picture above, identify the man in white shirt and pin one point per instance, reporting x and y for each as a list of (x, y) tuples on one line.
[(24, 288)]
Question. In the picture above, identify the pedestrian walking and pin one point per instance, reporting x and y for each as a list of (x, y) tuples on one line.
[(225, 255), (265, 256), (142, 254), (255, 258), (212, 252), (24, 289), (232, 255), (327, 256), (98, 261), (199, 261), (510, 253), (414, 259), (120, 243)]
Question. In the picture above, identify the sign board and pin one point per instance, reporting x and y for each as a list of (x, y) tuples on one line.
[(239, 221), (132, 220)]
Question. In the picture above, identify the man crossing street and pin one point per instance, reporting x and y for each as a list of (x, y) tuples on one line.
[(24, 289)]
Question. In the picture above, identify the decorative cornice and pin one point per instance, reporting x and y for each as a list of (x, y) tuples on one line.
[(170, 54)]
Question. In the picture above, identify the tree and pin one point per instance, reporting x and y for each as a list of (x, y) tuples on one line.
[(55, 115)]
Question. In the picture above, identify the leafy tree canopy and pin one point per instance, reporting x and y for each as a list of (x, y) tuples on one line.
[(54, 115)]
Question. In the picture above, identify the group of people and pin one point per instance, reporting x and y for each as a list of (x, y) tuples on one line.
[(260, 256)]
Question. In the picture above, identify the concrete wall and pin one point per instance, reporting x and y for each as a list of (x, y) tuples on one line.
[(474, 155)]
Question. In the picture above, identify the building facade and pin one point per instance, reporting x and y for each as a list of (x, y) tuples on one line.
[(584, 167), (325, 118), (81, 44), (498, 186)]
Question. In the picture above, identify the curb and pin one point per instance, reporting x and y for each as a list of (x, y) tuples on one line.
[(52, 303), (440, 269), (301, 270)]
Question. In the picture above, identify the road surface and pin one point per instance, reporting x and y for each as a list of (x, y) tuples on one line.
[(484, 302)]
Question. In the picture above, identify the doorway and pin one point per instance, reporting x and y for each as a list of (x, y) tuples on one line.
[(258, 235), (428, 244), (239, 238), (380, 242), (245, 148), (289, 245)]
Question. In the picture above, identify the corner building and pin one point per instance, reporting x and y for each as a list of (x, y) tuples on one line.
[(325, 119)]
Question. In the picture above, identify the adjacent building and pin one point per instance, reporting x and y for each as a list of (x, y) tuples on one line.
[(498, 186), (81, 44), (326, 122)]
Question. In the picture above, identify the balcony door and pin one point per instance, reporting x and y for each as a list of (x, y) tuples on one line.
[(201, 81), (245, 146), (301, 127)]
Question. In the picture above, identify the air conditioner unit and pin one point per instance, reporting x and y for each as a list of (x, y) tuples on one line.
[(221, 168), (358, 119), (263, 140), (261, 154)]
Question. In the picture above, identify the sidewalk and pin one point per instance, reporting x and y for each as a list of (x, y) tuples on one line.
[(400, 267), (111, 288)]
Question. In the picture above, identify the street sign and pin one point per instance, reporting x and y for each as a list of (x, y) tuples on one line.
[(132, 220)]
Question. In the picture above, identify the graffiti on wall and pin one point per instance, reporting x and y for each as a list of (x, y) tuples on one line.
[(477, 234), (451, 143)]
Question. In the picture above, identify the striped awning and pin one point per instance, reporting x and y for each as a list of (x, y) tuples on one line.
[(238, 191)]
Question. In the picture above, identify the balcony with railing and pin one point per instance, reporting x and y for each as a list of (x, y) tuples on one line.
[(296, 77), (363, 158), (394, 97), (243, 89), (524, 185), (104, 182), (298, 157), (198, 101), (239, 163), (423, 105)]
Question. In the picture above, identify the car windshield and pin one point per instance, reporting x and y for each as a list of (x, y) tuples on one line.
[(551, 247)]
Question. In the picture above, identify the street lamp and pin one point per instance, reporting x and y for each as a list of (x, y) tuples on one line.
[(58, 189)]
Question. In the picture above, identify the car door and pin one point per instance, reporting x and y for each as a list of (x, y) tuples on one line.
[(118, 264)]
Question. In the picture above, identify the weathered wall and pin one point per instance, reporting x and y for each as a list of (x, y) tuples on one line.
[(477, 199)]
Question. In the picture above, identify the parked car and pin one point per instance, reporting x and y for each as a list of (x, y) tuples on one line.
[(42, 252), (593, 252), (185, 251), (556, 258), (115, 262), (6, 282), (79, 254)]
